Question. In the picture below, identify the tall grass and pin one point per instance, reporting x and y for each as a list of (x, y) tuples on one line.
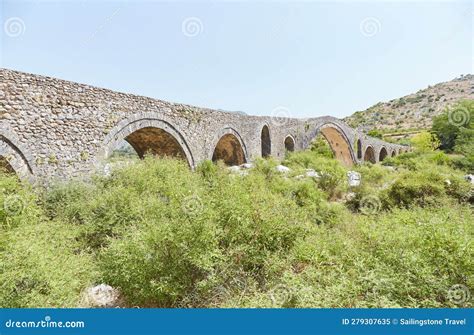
[(168, 237)]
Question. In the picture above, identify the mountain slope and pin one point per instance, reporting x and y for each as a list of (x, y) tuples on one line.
[(414, 111)]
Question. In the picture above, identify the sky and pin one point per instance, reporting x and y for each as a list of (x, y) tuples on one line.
[(312, 58)]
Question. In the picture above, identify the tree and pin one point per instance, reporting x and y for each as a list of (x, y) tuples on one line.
[(449, 125), (375, 133), (425, 141)]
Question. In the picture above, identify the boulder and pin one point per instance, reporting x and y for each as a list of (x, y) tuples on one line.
[(312, 173), (234, 168), (353, 178), (102, 296), (247, 166), (282, 169)]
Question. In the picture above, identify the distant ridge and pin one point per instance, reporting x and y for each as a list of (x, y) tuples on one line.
[(414, 111)]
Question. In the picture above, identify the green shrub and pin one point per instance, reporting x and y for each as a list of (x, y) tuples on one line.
[(41, 263), (169, 237), (333, 174), (415, 189)]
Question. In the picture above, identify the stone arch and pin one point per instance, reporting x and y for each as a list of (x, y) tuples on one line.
[(338, 142), (394, 153), (149, 134), (369, 155), (289, 143), (229, 148), (383, 154), (266, 141), (359, 149), (15, 159)]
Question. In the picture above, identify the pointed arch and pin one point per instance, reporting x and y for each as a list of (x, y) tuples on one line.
[(369, 155), (382, 154), (229, 147), (338, 141), (359, 149), (266, 142), (149, 134), (289, 143)]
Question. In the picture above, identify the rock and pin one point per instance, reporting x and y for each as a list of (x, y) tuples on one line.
[(234, 168), (448, 182), (107, 170), (312, 173), (102, 296), (353, 178), (247, 166), (282, 169), (469, 178), (390, 168)]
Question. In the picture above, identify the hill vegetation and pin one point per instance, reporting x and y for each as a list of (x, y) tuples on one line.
[(414, 111)]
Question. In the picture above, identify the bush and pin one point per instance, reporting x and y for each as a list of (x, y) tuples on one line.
[(169, 237), (425, 142), (41, 263), (333, 174)]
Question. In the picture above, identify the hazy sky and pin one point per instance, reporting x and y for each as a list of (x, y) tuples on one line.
[(312, 57)]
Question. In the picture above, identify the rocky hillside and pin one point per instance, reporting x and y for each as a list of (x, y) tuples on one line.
[(414, 111)]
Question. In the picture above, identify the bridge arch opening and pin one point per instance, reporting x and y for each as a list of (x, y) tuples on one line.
[(394, 153), (266, 142), (359, 149), (229, 150), (156, 142), (338, 143), (383, 154), (147, 134), (289, 143), (369, 155)]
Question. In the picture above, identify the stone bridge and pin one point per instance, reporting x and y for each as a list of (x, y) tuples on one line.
[(56, 128)]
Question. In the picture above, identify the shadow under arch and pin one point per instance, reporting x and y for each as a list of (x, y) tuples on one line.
[(266, 141), (149, 135), (229, 147), (359, 149), (383, 154), (338, 141), (289, 143), (369, 155)]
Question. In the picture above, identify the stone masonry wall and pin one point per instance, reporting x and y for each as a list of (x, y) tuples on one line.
[(56, 128)]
